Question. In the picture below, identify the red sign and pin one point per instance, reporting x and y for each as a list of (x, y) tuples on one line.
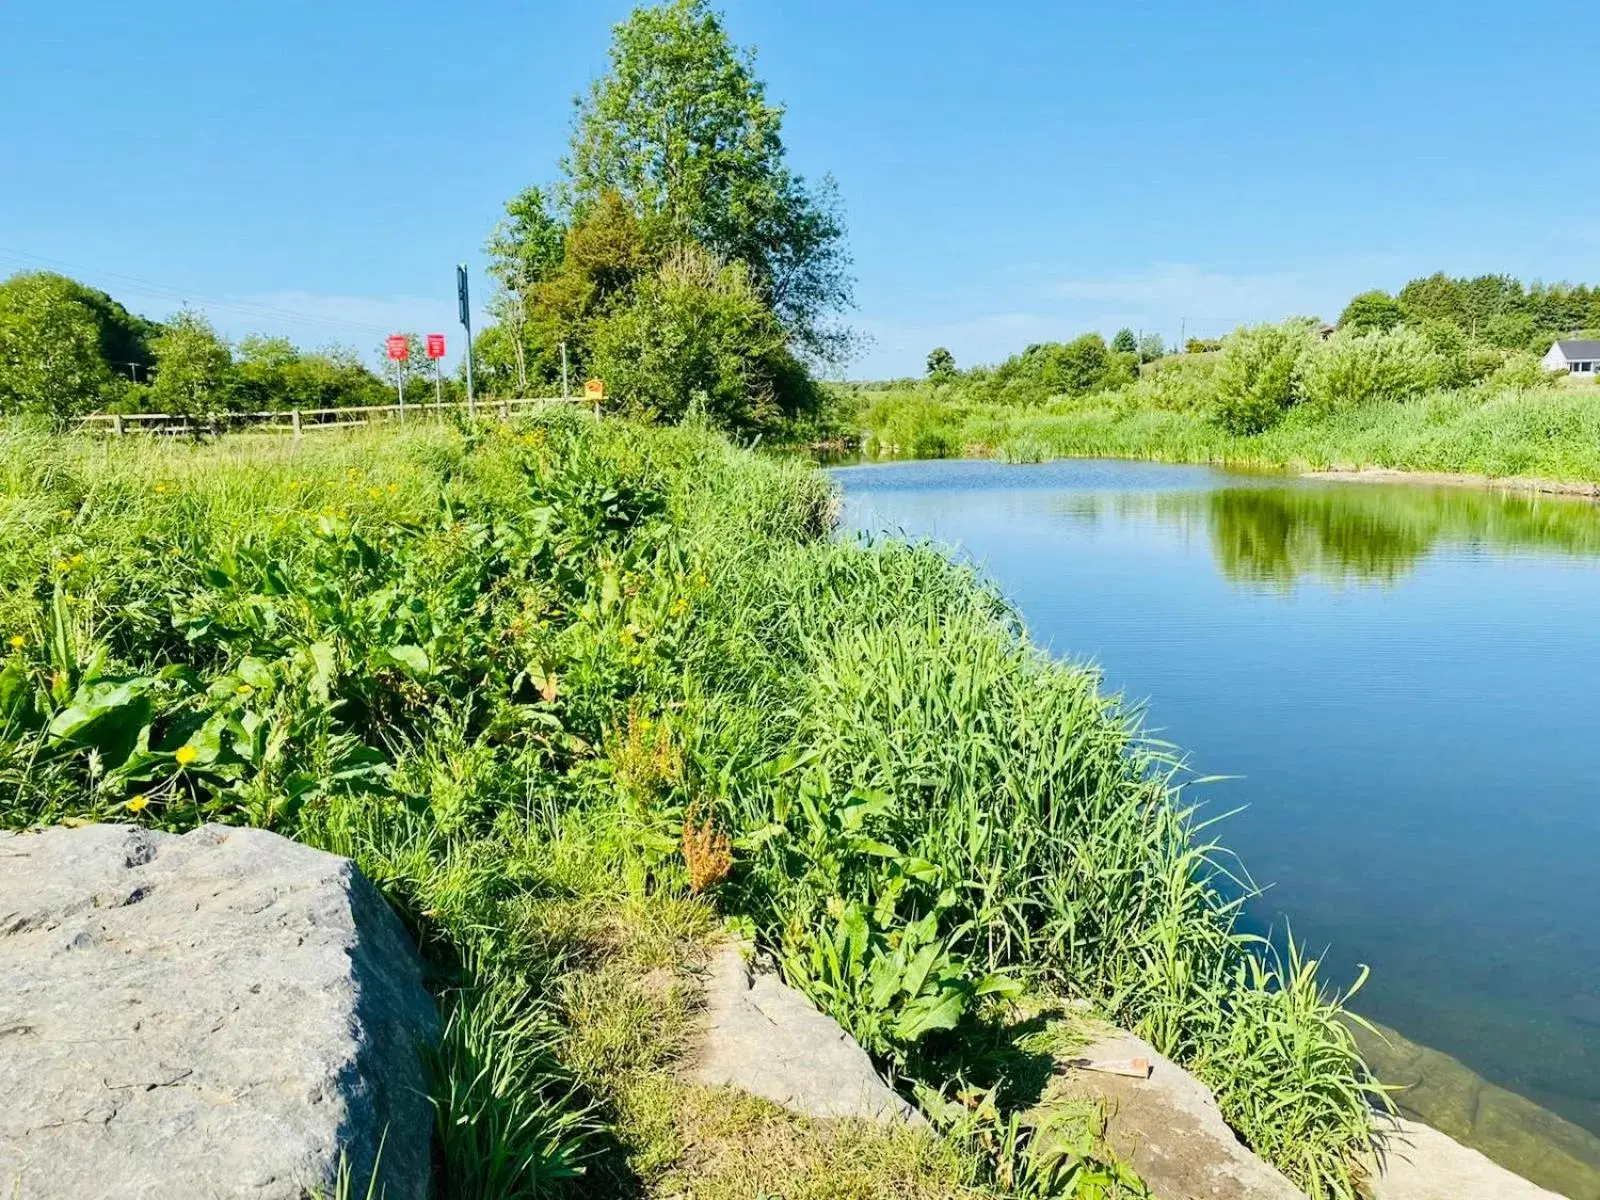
[(436, 345), (398, 349)]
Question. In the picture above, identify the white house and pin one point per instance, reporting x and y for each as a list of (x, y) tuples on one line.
[(1579, 356)]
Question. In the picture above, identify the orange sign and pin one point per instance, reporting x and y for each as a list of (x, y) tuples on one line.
[(595, 389)]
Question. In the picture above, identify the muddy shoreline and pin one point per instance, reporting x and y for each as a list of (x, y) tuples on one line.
[(1507, 483)]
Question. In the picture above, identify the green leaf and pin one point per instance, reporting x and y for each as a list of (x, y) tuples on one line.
[(414, 659), (940, 1011), (917, 973)]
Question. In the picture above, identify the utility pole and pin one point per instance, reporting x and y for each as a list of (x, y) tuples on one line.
[(564, 392), (464, 303)]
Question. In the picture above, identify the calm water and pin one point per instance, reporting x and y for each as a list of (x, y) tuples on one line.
[(1403, 681)]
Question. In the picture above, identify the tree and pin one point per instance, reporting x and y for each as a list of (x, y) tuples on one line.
[(1124, 342), (603, 255), (941, 364), (681, 129), (697, 334), (50, 348), (1151, 347), (192, 366), (1375, 310), (525, 249)]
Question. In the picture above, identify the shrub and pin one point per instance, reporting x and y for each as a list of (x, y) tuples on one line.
[(697, 334), (1256, 377), (1522, 371), (1358, 368)]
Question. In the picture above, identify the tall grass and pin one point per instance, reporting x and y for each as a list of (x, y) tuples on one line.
[(443, 652), (1495, 428)]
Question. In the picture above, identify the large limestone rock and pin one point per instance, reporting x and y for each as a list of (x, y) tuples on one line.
[(1166, 1126), (220, 1014), (1419, 1163), (763, 1037)]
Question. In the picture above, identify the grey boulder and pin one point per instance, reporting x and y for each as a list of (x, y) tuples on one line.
[(763, 1037), (221, 1014)]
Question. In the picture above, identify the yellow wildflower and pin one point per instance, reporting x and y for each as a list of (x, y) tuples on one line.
[(375, 493), (186, 755), (18, 641), (66, 514), (138, 803), (244, 689), (680, 606)]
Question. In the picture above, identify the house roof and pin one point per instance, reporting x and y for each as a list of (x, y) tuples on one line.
[(1576, 348)]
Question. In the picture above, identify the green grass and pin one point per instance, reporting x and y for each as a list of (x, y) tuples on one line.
[(504, 668), (1547, 432)]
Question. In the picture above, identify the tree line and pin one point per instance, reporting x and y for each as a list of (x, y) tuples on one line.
[(1466, 329), (67, 349), (676, 255)]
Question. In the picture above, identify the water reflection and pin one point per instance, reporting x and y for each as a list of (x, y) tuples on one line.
[(1272, 536)]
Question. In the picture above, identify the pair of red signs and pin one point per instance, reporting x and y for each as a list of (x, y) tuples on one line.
[(400, 349)]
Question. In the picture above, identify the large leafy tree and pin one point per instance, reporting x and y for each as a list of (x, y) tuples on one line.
[(51, 357), (681, 128), (192, 366), (1375, 310)]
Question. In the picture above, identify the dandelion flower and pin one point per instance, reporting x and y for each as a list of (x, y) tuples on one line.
[(186, 755), (138, 803), (18, 641)]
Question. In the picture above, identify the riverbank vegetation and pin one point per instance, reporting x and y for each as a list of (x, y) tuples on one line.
[(576, 693), (1438, 379)]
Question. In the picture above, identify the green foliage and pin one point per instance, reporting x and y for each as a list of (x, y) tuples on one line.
[(1374, 311), (681, 128), (51, 357), (1367, 367), (192, 365), (941, 364), (446, 652), (1257, 375), (1151, 347), (273, 374), (1047, 369), (1124, 342), (697, 336)]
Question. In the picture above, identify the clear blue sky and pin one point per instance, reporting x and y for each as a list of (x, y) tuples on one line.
[(1010, 171)]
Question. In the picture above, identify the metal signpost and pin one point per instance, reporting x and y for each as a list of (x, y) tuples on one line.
[(464, 304), (435, 343), (399, 350)]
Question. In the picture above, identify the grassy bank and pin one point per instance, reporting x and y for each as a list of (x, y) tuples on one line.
[(1494, 428), (576, 695)]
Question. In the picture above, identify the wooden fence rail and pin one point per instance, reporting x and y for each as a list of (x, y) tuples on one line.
[(297, 421)]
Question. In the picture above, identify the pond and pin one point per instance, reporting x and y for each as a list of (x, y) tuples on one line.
[(1399, 682)]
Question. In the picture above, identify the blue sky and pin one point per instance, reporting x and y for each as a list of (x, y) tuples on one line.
[(1011, 172)]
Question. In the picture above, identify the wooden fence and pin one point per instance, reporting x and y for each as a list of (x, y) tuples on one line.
[(297, 421)]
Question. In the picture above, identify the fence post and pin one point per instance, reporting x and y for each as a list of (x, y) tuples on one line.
[(295, 421), (116, 424), (505, 410)]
